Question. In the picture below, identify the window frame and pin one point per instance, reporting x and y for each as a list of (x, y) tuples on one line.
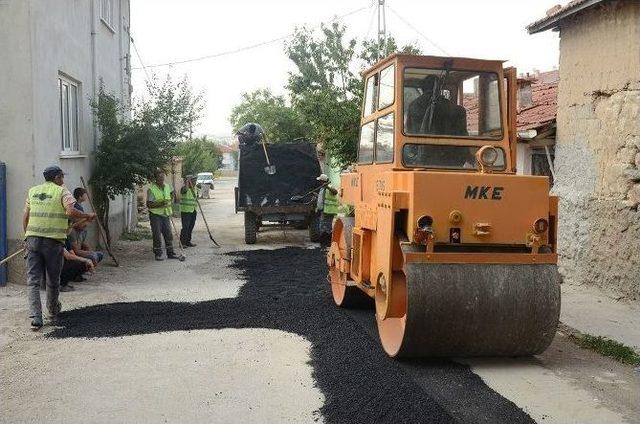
[(393, 138), (373, 149), (374, 106), (69, 114), (107, 6), (449, 168), (393, 89), (468, 137)]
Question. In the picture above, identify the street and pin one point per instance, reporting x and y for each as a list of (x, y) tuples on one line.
[(250, 334)]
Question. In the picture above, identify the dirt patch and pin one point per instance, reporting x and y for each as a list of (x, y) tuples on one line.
[(286, 290)]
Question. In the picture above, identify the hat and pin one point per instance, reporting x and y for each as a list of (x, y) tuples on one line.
[(52, 171), (190, 177)]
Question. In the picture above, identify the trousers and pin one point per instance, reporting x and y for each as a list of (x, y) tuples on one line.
[(44, 261), (161, 229), (188, 222)]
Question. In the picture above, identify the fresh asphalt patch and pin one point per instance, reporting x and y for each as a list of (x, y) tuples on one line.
[(286, 289)]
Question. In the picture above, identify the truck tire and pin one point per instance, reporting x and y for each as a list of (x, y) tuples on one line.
[(315, 232), (250, 227)]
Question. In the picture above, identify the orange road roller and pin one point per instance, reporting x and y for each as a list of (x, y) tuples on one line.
[(456, 249)]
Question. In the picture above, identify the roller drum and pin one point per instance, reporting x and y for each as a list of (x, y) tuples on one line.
[(477, 310)]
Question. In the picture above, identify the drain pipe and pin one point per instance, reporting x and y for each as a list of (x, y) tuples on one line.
[(3, 222), (94, 71)]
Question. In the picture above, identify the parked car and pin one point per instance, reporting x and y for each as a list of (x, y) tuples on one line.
[(205, 178)]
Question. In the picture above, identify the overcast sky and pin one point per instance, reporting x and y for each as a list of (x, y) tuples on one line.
[(174, 30)]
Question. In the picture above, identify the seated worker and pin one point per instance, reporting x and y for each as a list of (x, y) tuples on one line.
[(72, 268), (447, 118), (77, 240)]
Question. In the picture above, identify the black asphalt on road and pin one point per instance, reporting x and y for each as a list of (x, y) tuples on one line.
[(286, 289)]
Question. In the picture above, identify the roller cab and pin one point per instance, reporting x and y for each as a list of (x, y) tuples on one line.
[(456, 251)]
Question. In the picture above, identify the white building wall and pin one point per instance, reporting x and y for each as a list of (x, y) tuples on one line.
[(40, 40)]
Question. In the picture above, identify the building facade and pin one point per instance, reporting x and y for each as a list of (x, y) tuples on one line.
[(54, 55), (597, 157)]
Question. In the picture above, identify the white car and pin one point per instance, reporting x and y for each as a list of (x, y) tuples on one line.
[(205, 178)]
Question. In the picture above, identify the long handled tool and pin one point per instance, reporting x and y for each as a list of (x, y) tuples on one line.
[(181, 258), (11, 256), (206, 224), (269, 169), (100, 228)]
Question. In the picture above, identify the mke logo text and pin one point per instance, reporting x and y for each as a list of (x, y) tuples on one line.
[(483, 192)]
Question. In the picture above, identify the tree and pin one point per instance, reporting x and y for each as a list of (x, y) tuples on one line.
[(132, 150), (280, 122), (200, 155), (325, 90), (374, 49)]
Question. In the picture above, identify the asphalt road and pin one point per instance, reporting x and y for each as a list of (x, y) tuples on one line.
[(243, 334)]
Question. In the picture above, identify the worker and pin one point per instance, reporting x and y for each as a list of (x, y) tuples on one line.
[(187, 210), (328, 204), (433, 113), (47, 210), (250, 134), (160, 198)]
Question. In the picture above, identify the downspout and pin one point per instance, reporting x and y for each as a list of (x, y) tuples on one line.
[(94, 71), (3, 222)]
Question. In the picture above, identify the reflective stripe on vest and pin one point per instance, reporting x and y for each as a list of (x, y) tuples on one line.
[(161, 195), (46, 213), (188, 202)]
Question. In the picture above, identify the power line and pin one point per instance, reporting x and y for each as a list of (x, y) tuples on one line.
[(135, 48), (250, 47), (407, 23)]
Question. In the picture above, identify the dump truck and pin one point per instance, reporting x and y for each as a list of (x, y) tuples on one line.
[(455, 250), (275, 187)]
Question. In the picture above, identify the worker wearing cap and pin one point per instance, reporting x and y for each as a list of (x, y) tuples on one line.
[(160, 197), (328, 205), (48, 208), (187, 210)]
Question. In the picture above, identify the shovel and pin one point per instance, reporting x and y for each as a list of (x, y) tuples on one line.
[(269, 169)]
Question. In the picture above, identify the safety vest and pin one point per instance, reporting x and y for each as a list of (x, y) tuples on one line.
[(331, 203), (47, 217), (188, 202), (159, 195)]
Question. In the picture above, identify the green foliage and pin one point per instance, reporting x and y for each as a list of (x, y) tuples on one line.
[(608, 347), (374, 50), (280, 122), (200, 155), (325, 91), (132, 150)]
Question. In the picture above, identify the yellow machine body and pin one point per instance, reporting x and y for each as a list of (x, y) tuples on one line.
[(459, 257)]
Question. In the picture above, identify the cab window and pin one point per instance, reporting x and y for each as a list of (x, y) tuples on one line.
[(387, 83), (370, 95), (384, 139), (365, 146)]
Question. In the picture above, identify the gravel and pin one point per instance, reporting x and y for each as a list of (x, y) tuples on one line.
[(286, 289)]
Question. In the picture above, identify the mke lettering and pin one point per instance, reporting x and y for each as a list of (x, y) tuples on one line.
[(483, 192)]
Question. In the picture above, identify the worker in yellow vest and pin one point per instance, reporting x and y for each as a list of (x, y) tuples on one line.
[(48, 208), (160, 199), (187, 210)]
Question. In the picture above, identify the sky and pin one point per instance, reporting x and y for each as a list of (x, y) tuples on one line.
[(175, 30)]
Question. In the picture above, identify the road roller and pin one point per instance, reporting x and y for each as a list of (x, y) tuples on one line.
[(456, 250)]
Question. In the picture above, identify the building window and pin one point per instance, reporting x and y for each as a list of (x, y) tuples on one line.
[(68, 99), (106, 12)]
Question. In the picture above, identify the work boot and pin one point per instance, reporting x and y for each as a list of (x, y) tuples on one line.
[(36, 323), (159, 257), (189, 244), (172, 255), (67, 288)]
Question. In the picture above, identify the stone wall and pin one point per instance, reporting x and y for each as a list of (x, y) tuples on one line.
[(598, 148)]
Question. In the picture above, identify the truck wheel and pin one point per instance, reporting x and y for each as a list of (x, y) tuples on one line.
[(250, 227), (315, 232)]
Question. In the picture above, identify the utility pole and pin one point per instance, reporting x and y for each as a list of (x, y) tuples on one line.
[(382, 28)]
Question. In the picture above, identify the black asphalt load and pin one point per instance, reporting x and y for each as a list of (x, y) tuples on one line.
[(286, 289)]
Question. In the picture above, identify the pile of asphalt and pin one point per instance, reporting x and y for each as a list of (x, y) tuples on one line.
[(286, 289), (297, 168)]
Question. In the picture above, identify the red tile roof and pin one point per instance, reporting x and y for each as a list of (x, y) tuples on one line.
[(558, 13), (544, 93)]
